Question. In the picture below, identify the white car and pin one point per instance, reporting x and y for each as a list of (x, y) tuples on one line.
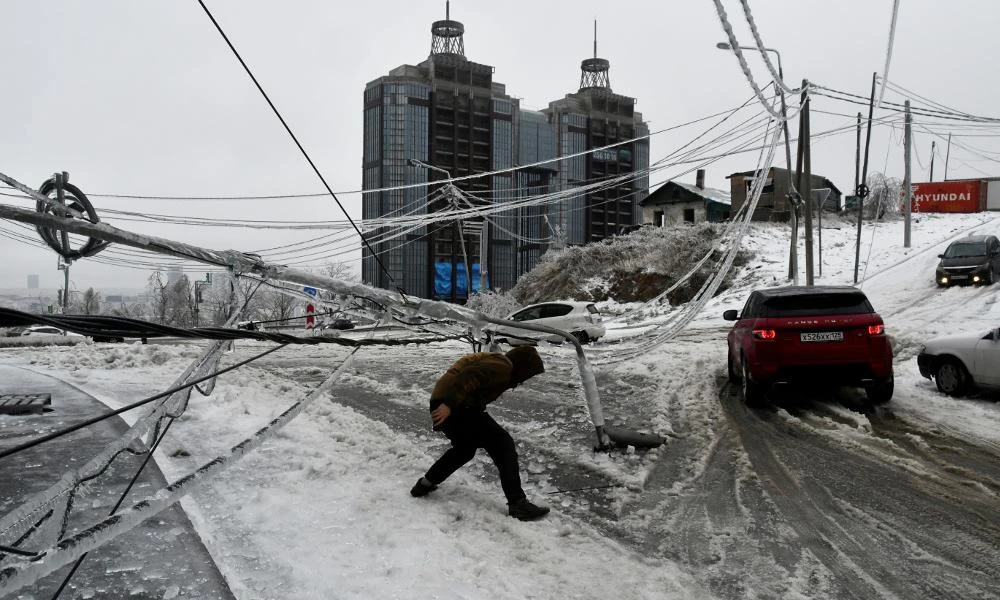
[(37, 330), (582, 319), (961, 362)]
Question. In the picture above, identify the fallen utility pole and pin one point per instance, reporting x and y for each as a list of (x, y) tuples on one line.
[(240, 262), (862, 186)]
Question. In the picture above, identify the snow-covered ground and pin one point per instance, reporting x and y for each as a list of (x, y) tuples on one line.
[(323, 509)]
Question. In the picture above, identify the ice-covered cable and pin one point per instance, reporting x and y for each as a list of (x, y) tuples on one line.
[(763, 50), (735, 47), (888, 51), (21, 573)]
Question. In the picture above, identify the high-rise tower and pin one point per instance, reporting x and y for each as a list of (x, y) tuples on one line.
[(587, 122), (448, 113)]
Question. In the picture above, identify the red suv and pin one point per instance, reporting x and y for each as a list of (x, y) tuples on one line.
[(809, 334)]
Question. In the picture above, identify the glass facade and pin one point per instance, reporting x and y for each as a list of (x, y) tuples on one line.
[(570, 213), (395, 130), (593, 120)]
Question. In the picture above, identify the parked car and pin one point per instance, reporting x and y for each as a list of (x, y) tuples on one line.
[(962, 362), (336, 324), (828, 335), (36, 330), (582, 319), (15, 331), (971, 260), (42, 330)]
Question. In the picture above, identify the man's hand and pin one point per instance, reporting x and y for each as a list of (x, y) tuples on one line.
[(439, 414)]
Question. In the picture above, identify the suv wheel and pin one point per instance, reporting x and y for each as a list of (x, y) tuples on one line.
[(753, 393), (582, 336), (880, 392), (951, 377)]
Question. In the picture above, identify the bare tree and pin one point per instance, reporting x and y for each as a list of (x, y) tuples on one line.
[(339, 271), (216, 301), (273, 305), (157, 296), (91, 303), (180, 303)]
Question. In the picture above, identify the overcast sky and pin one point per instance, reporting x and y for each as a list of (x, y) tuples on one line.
[(145, 98)]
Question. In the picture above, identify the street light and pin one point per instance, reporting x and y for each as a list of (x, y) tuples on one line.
[(416, 163), (793, 259)]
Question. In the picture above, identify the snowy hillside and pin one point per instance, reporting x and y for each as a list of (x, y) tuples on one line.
[(795, 502)]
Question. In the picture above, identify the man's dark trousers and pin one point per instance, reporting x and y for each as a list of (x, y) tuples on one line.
[(468, 431)]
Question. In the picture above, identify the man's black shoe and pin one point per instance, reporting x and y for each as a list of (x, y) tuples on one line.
[(422, 489), (526, 511)]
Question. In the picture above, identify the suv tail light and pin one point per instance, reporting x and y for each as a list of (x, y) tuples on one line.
[(764, 334), (876, 329)]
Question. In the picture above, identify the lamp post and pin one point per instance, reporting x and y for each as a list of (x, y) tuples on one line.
[(453, 195), (793, 195)]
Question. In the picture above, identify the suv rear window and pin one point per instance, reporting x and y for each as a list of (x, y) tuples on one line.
[(816, 304), (592, 309)]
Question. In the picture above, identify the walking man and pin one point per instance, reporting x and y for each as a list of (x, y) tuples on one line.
[(458, 409)]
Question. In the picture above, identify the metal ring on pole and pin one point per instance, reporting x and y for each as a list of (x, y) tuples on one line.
[(76, 200)]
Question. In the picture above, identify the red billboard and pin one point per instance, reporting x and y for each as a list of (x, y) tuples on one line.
[(946, 197)]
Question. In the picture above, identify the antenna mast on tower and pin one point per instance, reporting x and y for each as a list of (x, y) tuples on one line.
[(594, 71)]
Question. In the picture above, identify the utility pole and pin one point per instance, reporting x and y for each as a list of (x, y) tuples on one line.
[(908, 118), (484, 236), (807, 162), (64, 299), (932, 161), (453, 194), (947, 155), (799, 153), (862, 191)]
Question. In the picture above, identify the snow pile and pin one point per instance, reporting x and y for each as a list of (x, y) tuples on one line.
[(628, 268)]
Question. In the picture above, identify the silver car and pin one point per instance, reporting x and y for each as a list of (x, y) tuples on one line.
[(582, 319)]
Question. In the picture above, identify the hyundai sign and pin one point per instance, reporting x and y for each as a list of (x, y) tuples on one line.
[(947, 197)]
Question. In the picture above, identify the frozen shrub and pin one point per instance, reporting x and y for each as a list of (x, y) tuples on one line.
[(627, 268), (493, 303)]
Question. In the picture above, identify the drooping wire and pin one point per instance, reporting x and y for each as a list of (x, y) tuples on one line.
[(295, 139)]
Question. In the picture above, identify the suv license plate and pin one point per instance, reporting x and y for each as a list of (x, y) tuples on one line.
[(825, 336)]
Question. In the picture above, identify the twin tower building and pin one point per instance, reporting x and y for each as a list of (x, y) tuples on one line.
[(445, 118)]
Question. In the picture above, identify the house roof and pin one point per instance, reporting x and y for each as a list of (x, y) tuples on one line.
[(659, 195), (826, 181)]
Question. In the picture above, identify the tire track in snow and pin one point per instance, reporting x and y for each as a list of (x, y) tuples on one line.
[(822, 486)]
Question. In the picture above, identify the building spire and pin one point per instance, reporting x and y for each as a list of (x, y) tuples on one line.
[(594, 71), (447, 35)]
